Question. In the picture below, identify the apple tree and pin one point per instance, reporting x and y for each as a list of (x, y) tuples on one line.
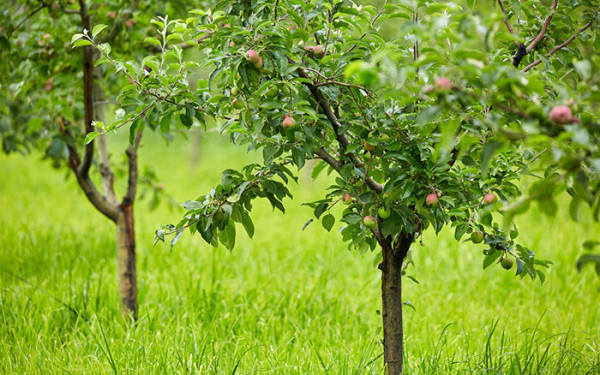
[(429, 114), (54, 101)]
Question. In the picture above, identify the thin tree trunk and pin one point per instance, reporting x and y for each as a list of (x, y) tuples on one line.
[(126, 261), (391, 297)]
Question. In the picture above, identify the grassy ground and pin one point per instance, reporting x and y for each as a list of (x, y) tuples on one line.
[(287, 302)]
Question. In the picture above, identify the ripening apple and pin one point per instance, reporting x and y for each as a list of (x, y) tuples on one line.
[(369, 147), (507, 263), (432, 199), (319, 51), (490, 198), (369, 221), (561, 114), (252, 56), (237, 104), (309, 50), (383, 213), (347, 198), (477, 236), (288, 122), (443, 84), (235, 91), (218, 215), (259, 63), (111, 15)]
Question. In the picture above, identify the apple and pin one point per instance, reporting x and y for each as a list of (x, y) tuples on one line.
[(237, 104), (128, 23), (309, 50), (252, 56), (443, 84), (383, 213), (490, 198), (288, 122), (259, 63), (507, 263), (218, 215), (369, 147), (369, 221), (432, 199), (477, 236), (231, 44), (561, 114), (319, 51), (346, 198), (111, 15), (235, 91)]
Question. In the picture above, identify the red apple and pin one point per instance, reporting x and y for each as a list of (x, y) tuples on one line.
[(490, 198), (561, 114), (288, 122), (347, 198), (319, 51), (369, 221), (443, 84), (432, 199), (252, 56)]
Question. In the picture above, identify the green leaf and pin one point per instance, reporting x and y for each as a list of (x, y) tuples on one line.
[(91, 136), (81, 43), (98, 29), (328, 221), (227, 235), (76, 37), (247, 223), (486, 154)]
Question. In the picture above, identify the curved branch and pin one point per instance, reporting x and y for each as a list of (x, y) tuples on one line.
[(505, 16), (560, 46), (544, 28)]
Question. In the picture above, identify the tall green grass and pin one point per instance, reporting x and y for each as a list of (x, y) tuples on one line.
[(287, 302)]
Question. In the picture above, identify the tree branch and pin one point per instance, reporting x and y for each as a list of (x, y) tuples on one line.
[(132, 180), (560, 46), (505, 17), (88, 93), (535, 41), (335, 124), (28, 16), (327, 158), (93, 195)]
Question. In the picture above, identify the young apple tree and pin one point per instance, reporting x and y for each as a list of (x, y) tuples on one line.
[(54, 98), (420, 109)]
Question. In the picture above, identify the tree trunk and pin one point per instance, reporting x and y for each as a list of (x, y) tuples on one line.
[(391, 297), (126, 260)]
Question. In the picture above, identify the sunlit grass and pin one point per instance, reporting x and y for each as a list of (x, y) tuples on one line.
[(288, 301)]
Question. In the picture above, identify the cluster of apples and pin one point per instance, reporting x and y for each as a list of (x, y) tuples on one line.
[(318, 51)]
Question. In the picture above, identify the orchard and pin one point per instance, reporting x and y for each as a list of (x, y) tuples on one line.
[(428, 115)]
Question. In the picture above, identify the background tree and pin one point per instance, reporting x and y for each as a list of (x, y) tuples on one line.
[(56, 98), (434, 125)]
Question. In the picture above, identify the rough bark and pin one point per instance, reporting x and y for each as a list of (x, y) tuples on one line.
[(126, 262), (391, 298)]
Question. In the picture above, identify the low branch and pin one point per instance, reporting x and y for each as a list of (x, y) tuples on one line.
[(535, 41), (93, 195), (560, 46), (327, 158)]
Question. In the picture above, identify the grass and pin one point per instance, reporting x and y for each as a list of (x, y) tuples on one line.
[(286, 302)]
